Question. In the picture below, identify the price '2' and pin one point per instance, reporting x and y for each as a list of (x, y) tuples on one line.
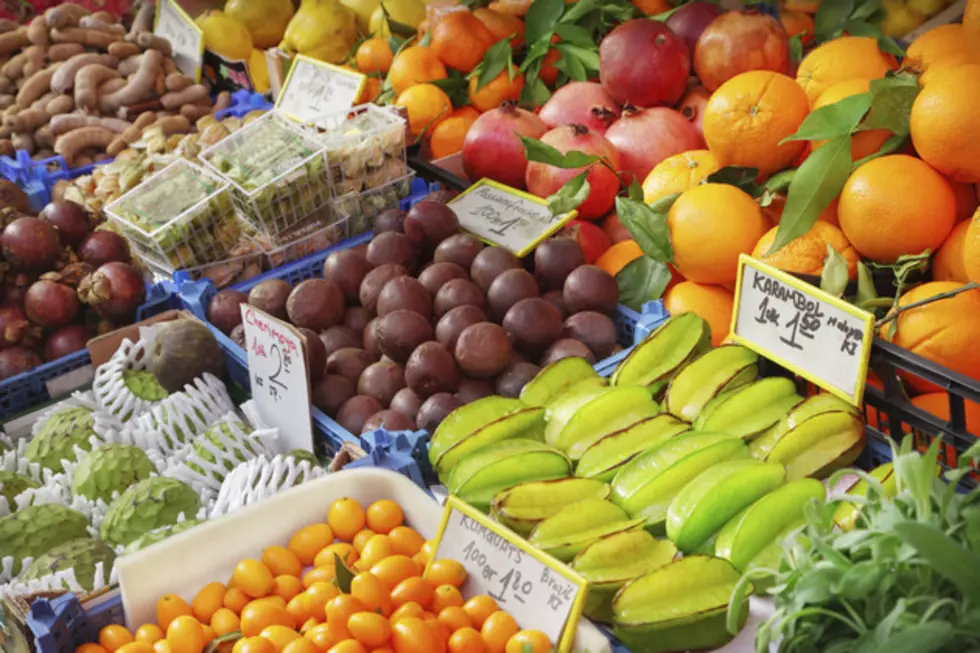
[(274, 379)]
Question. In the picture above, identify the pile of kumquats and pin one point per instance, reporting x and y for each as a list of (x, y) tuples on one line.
[(291, 600)]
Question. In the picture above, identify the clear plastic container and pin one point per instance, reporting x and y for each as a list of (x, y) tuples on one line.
[(306, 239), (277, 172), (363, 207), (181, 217)]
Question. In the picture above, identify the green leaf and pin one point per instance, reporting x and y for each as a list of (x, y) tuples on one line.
[(455, 87), (536, 150), (833, 120), (891, 104), (571, 65), (971, 454), (796, 48), (866, 9), (344, 574), (648, 227), (866, 285), (815, 185), (494, 62), (635, 191), (945, 555), (216, 643), (738, 176), (588, 57), (535, 91), (833, 277), (578, 10), (780, 181), (889, 146), (831, 17), (575, 35), (862, 28), (570, 196), (541, 18), (642, 280), (663, 16), (920, 638)]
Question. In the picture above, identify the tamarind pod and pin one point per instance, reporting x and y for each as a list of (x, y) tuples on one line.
[(160, 84), (123, 50), (83, 160), (64, 51), (131, 111), (6, 101), (42, 102), (223, 101), (37, 31), (144, 120), (7, 147), (130, 65), (6, 86), (91, 22), (7, 25), (60, 104), (35, 60), (24, 142), (105, 17), (170, 67), (195, 111), (43, 137), (170, 125), (65, 15), (64, 79), (29, 120), (138, 86), (143, 21), (6, 132), (14, 68), (67, 123), (87, 82), (37, 85), (15, 40), (45, 153), (149, 40), (190, 95), (71, 144), (90, 38), (111, 86), (117, 145), (177, 81)]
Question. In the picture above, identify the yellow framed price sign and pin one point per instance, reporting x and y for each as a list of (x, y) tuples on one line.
[(315, 88)]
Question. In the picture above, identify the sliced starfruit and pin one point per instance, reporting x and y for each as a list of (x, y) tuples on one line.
[(555, 379), (713, 372), (485, 472), (655, 360), (524, 506), (747, 534), (716, 495), (610, 453), (751, 409), (820, 446), (612, 561), (527, 423), (561, 409), (607, 413), (576, 526), (469, 418), (679, 607), (846, 514)]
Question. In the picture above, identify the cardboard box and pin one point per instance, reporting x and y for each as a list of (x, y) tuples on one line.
[(102, 348)]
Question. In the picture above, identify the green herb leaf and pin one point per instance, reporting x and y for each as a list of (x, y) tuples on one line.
[(571, 66), (536, 150), (494, 62), (578, 10), (741, 178), (635, 191), (889, 146), (891, 104), (344, 574), (833, 277), (587, 57), (833, 120), (867, 9), (920, 638), (815, 185), (831, 17), (541, 18), (575, 35), (455, 87), (535, 91), (796, 48), (866, 285), (950, 559), (648, 228), (216, 643), (570, 196), (642, 280), (780, 181)]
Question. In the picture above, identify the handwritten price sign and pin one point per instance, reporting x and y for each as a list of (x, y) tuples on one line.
[(806, 330), (277, 371), (505, 216), (186, 38), (539, 591), (314, 88)]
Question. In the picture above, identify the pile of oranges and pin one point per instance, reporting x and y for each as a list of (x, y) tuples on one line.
[(289, 601)]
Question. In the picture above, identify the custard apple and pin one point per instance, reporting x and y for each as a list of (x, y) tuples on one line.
[(12, 484), (236, 447), (160, 535), (299, 455), (144, 385), (110, 468), (152, 503), (81, 554), (59, 435), (35, 530)]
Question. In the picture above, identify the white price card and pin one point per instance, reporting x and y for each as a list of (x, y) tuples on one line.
[(314, 88), (537, 590), (186, 38), (806, 330), (505, 216), (278, 376)]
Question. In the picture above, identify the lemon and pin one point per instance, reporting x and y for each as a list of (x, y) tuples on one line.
[(927, 7), (225, 36), (322, 29), (363, 9), (265, 20), (406, 12), (258, 70), (900, 21)]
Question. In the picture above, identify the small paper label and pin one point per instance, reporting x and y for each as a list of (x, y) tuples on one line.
[(186, 38), (505, 216), (806, 330), (537, 590), (277, 371), (314, 88)]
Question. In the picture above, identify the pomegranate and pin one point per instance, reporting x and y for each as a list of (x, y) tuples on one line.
[(115, 290), (67, 340), (69, 219), (14, 326), (17, 360), (690, 20), (692, 107), (580, 103), (644, 63), (590, 237), (737, 42), (544, 180), (30, 244), (492, 148), (645, 137), (101, 247), (50, 304)]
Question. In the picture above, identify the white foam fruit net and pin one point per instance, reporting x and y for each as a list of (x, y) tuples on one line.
[(259, 478)]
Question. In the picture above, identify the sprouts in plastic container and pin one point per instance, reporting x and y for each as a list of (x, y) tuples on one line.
[(365, 206)]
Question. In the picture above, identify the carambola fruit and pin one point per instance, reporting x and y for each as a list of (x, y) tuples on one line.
[(710, 374), (527, 424), (846, 514), (655, 360), (750, 409), (576, 526), (562, 408), (555, 379), (612, 452), (468, 419), (820, 445), (524, 506), (607, 413)]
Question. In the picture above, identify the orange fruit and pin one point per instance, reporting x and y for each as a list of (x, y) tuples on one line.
[(370, 90), (938, 43), (446, 572), (460, 40), (114, 636), (281, 561), (797, 22), (374, 56), (169, 607), (746, 118), (466, 112), (427, 106), (136, 647), (301, 645), (286, 587), (971, 249), (466, 640), (448, 136), (406, 610), (310, 540), (838, 60), (346, 517), (90, 648), (413, 636), (369, 628), (160, 646), (361, 539), (325, 573), (372, 593), (405, 540), (712, 303), (446, 596), (186, 635), (945, 331), (862, 143), (348, 646), (341, 607), (224, 621), (234, 600), (317, 596), (652, 7), (501, 25), (254, 644), (710, 226), (896, 205), (148, 633), (297, 608), (497, 631), (806, 254), (414, 65), (257, 616), (413, 590), (280, 636), (377, 549), (618, 256), (326, 635), (396, 568), (966, 199), (384, 515), (677, 173), (479, 608), (549, 73), (529, 641), (253, 578), (949, 264), (454, 617), (346, 551), (937, 403), (774, 212), (499, 89), (207, 601), (945, 124)]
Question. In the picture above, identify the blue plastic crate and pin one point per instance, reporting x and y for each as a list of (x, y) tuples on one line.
[(59, 625), (244, 102), (38, 178), (28, 390)]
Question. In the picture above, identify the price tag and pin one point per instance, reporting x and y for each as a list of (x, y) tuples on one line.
[(277, 371), (186, 38), (806, 330), (505, 216), (315, 88), (537, 590)]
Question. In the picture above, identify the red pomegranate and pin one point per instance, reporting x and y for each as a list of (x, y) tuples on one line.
[(645, 137), (737, 42), (544, 180), (492, 148), (692, 107), (690, 20), (580, 103), (644, 63)]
